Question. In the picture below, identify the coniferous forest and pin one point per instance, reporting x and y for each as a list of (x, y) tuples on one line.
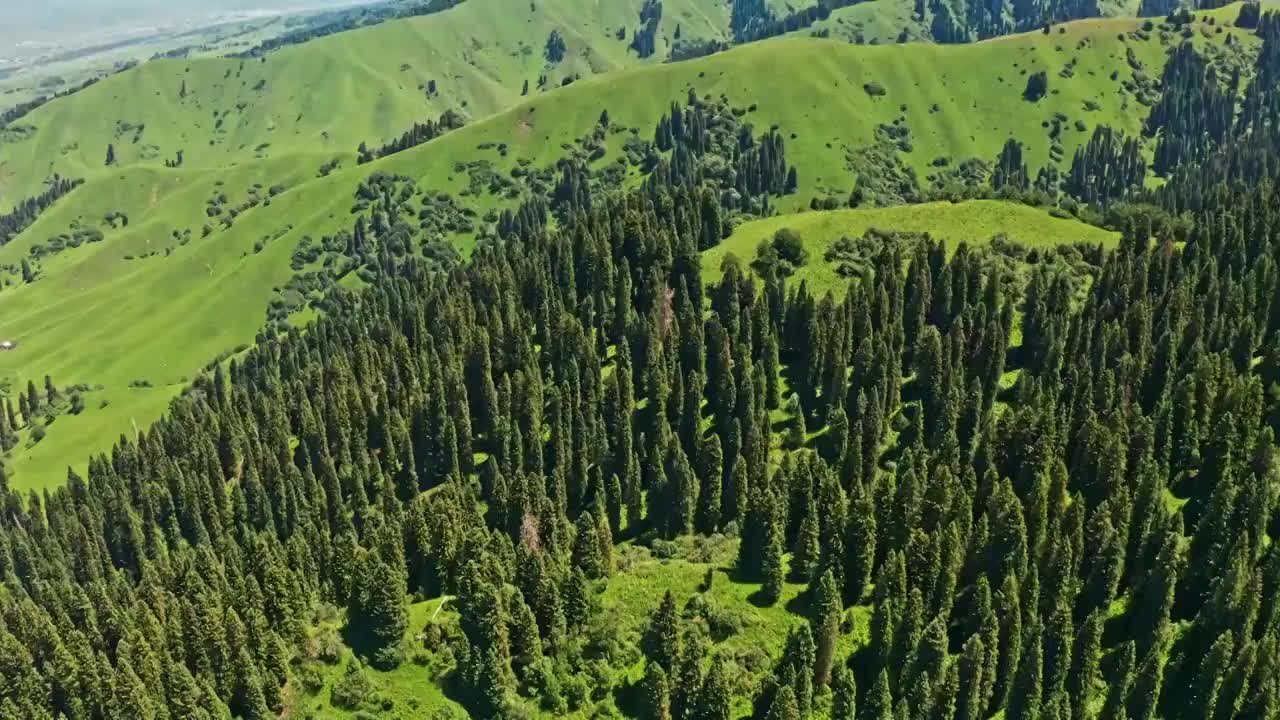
[(1048, 477)]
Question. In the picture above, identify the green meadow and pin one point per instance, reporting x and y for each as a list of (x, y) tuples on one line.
[(974, 222)]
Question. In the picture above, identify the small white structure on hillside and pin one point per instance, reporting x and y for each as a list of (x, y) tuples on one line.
[(8, 345)]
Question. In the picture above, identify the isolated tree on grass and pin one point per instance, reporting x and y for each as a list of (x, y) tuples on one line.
[(1037, 86), (774, 572)]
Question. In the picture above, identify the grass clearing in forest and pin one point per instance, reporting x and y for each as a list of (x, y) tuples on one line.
[(755, 634), (974, 222)]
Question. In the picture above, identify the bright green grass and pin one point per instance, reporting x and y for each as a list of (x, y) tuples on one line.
[(875, 21), (99, 319), (412, 688), (813, 90), (975, 222), (330, 94)]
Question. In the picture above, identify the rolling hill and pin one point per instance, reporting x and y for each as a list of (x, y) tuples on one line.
[(143, 311), (329, 95)]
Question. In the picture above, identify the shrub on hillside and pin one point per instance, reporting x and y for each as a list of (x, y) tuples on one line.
[(1037, 87), (790, 247), (784, 253), (353, 690)]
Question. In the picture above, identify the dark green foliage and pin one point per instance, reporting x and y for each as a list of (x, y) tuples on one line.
[(878, 705), (26, 211), (555, 49), (965, 22), (646, 36), (1010, 171), (378, 611), (414, 136), (784, 706), (1250, 14), (844, 694), (662, 637), (1037, 86), (715, 700), (1195, 112), (826, 627), (657, 693), (1108, 168), (785, 253)]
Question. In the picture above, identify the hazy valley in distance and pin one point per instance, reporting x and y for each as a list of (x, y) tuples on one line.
[(32, 30)]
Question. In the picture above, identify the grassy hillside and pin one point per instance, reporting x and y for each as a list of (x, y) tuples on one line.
[(872, 22), (136, 330), (328, 95), (974, 222), (958, 101), (98, 318)]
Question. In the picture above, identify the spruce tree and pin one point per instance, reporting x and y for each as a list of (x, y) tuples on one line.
[(661, 641), (772, 562), (378, 610), (878, 704), (784, 706), (657, 692), (586, 547), (1120, 684), (715, 702), (1025, 696), (844, 694), (826, 623)]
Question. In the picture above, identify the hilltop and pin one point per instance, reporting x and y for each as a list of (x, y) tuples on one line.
[(973, 222)]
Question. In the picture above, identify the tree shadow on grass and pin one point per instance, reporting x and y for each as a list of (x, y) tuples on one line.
[(761, 599), (357, 637), (631, 699), (801, 604)]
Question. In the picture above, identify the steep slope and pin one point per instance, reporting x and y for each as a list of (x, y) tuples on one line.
[(98, 318), (329, 95), (957, 101)]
